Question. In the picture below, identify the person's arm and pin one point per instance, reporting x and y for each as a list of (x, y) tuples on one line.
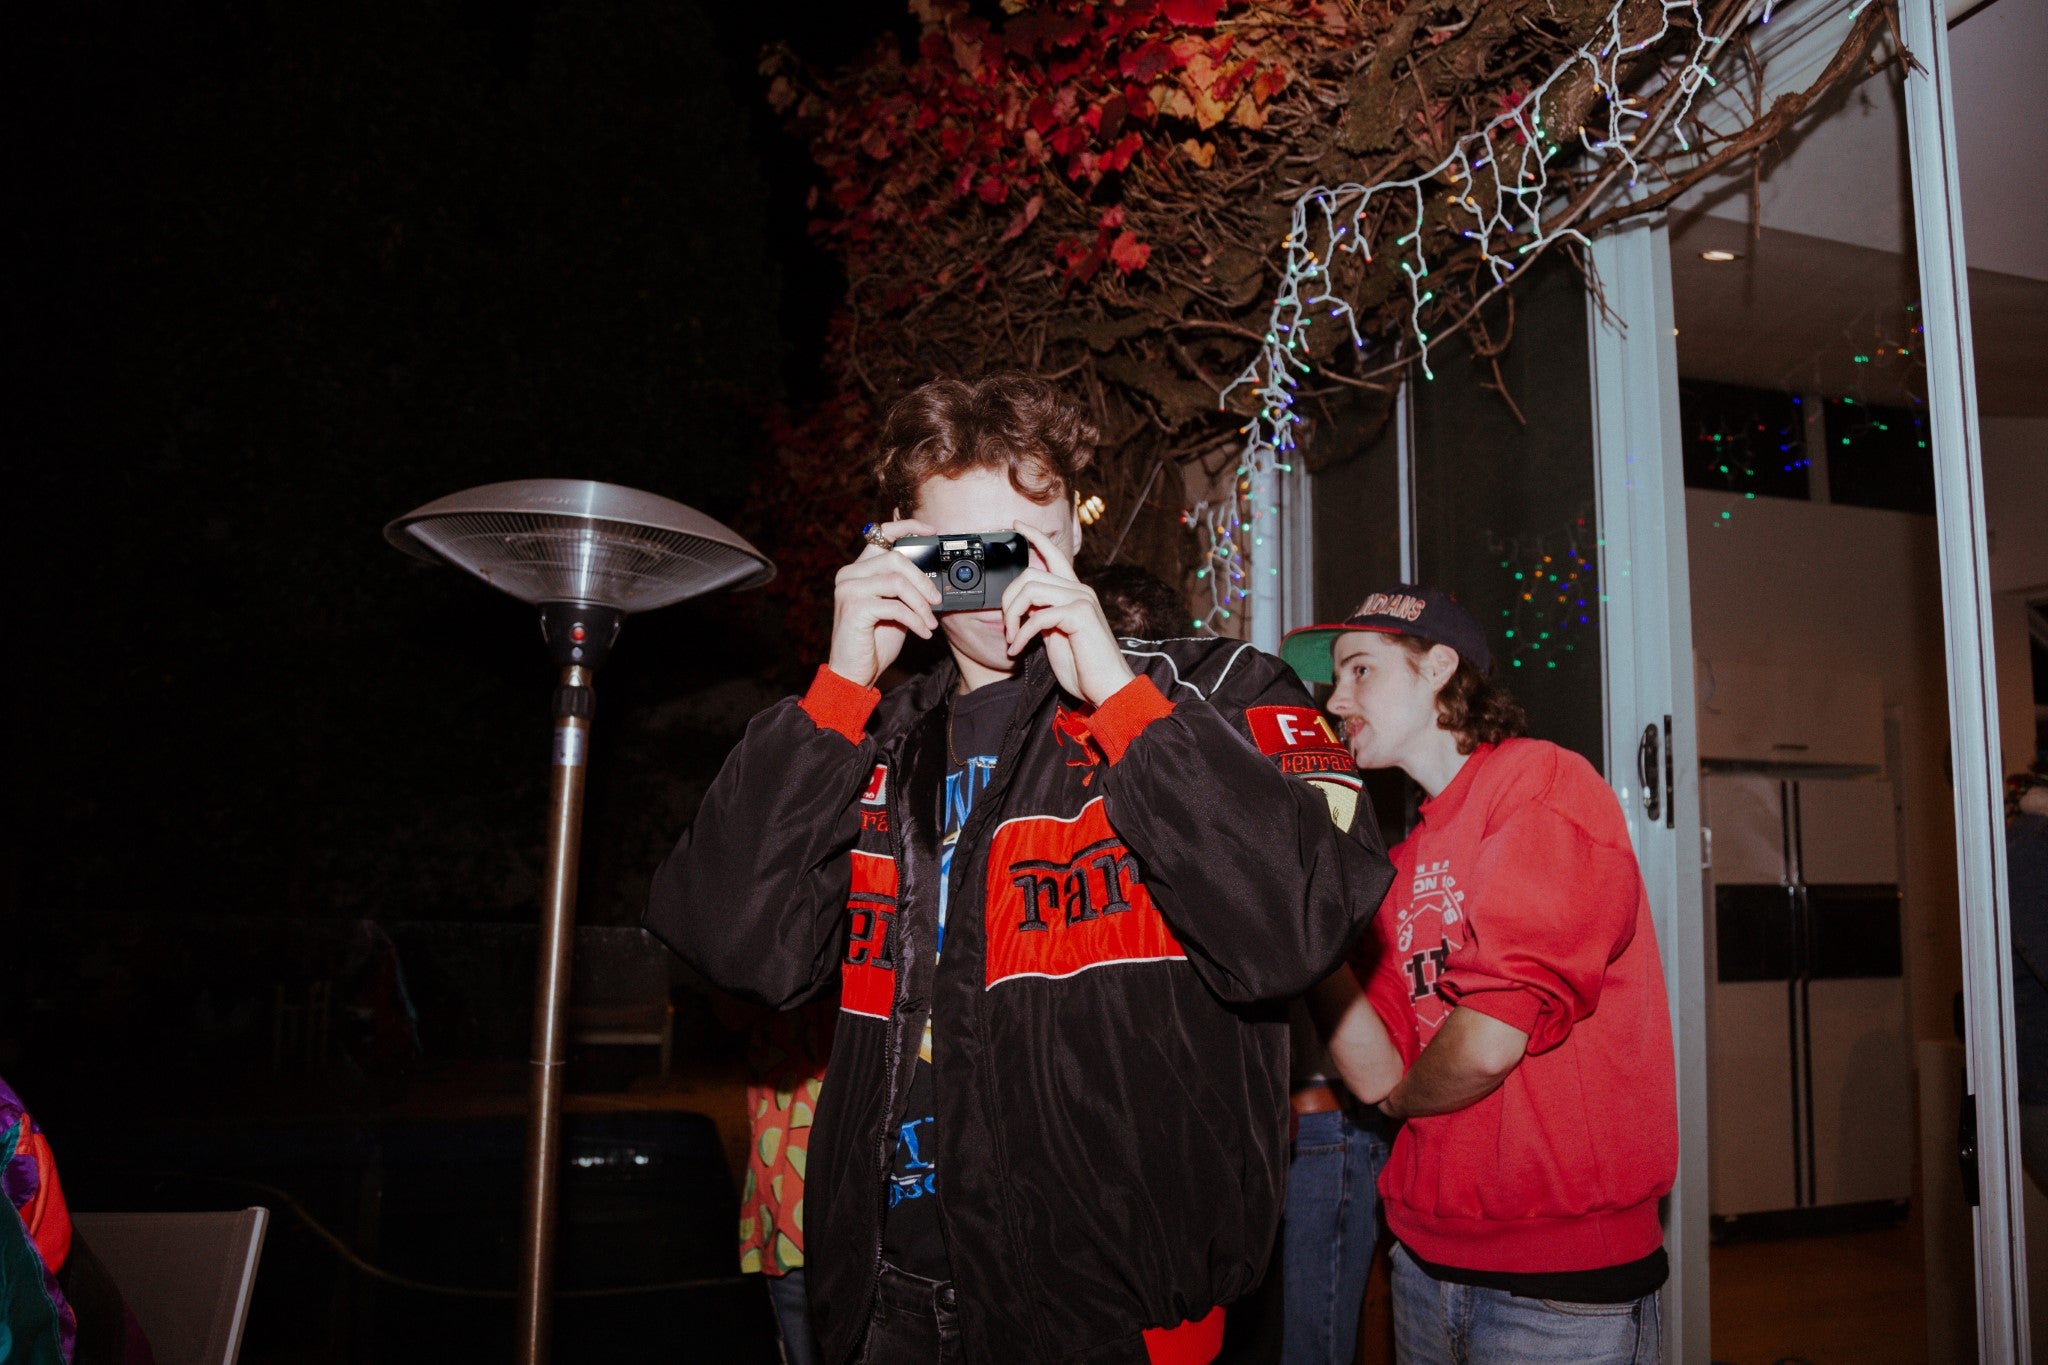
[(754, 895), (1552, 905), (1265, 880), (1471, 1055), (1359, 1044)]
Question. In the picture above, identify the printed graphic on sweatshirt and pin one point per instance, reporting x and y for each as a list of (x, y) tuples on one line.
[(956, 804), (867, 979), (1068, 895), (913, 1233), (1428, 929), (914, 1174)]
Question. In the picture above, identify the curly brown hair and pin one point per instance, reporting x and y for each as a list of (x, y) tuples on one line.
[(1008, 420), (1471, 705)]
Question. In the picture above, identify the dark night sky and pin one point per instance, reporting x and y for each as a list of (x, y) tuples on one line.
[(287, 271)]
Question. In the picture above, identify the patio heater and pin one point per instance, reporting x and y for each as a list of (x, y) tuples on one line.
[(588, 555)]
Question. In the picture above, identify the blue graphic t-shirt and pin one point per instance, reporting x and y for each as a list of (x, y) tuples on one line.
[(912, 1239)]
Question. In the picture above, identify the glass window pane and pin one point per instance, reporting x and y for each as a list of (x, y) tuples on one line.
[(1506, 509), (1743, 440), (1878, 456)]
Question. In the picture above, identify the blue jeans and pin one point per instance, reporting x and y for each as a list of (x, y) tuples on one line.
[(792, 1318), (1436, 1323), (1327, 1235)]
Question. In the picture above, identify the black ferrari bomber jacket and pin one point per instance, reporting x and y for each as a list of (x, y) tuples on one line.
[(1133, 896)]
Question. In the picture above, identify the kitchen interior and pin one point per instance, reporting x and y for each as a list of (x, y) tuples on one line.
[(1840, 1218)]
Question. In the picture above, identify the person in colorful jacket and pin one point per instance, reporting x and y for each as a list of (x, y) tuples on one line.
[(786, 1053), (1519, 1026), (37, 1326), (1060, 882)]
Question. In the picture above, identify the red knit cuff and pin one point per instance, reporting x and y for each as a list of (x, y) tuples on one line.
[(1124, 716), (1194, 1342), (838, 703)]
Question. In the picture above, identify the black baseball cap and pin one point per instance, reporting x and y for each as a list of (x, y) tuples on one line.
[(1404, 609)]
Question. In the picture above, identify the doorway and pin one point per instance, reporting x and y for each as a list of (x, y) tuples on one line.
[(1789, 615)]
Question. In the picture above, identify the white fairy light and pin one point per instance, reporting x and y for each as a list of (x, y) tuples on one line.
[(1519, 149)]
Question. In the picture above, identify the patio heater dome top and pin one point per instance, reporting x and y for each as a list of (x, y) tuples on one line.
[(577, 540)]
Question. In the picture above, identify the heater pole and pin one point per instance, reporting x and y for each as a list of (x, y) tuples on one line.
[(573, 705), (586, 554)]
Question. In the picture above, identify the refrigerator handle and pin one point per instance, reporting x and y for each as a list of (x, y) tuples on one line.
[(1808, 949)]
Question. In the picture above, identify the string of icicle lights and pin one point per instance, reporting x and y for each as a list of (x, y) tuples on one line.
[(1506, 223)]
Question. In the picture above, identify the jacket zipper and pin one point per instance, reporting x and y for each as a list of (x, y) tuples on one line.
[(904, 941), (1011, 749), (883, 1161), (1014, 739)]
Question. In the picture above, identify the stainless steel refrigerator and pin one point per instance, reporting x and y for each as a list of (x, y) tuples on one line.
[(1809, 1087)]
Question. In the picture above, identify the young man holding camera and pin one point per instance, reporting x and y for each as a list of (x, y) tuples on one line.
[(1058, 880)]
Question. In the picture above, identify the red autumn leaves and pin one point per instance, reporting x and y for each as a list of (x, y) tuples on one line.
[(988, 124)]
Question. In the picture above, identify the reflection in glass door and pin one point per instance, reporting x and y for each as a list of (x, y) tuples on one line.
[(1836, 569)]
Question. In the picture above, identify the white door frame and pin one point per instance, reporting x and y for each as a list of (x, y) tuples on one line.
[(2002, 1322), (1646, 644), (1647, 635)]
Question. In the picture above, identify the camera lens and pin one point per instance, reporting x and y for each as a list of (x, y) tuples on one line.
[(965, 573)]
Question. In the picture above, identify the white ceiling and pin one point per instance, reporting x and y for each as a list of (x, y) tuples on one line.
[(1795, 312), (1831, 273), (1842, 172), (1998, 53)]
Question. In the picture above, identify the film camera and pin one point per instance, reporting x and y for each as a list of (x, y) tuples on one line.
[(972, 570)]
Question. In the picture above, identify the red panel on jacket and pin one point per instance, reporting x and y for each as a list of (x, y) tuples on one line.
[(1064, 896), (867, 979)]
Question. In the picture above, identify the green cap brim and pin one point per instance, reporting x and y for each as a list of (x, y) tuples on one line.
[(1307, 651)]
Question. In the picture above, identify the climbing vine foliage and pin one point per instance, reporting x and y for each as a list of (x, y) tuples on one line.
[(1109, 193)]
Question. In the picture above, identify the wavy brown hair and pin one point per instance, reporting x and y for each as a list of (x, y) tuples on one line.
[(1471, 705), (1008, 420)]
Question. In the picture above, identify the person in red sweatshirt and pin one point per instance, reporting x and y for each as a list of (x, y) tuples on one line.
[(1518, 1024)]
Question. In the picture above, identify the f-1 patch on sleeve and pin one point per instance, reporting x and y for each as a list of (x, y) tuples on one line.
[(877, 791), (1298, 740)]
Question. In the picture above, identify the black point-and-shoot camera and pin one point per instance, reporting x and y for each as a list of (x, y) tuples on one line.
[(972, 571)]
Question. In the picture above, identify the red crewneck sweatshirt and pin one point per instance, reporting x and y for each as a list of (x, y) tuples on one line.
[(1518, 895)]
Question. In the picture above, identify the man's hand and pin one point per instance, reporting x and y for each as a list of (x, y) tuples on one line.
[(1359, 1045), (1467, 1061), (1054, 604), (874, 600)]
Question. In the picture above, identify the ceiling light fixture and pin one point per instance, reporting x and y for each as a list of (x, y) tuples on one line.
[(1719, 255)]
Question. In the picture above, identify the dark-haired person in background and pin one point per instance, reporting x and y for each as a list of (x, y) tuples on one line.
[(1138, 604), (1056, 880), (1519, 1027)]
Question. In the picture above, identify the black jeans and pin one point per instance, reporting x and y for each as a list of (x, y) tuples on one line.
[(914, 1322)]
